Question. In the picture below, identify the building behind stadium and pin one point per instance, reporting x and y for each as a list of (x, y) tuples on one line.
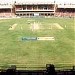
[(31, 9)]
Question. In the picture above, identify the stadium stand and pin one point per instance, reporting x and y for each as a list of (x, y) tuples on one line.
[(65, 10), (34, 10), (6, 10), (37, 9)]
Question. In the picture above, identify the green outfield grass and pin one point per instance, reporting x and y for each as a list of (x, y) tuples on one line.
[(15, 51)]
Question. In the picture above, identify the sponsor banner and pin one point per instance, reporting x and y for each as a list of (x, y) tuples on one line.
[(29, 38), (38, 38), (45, 38)]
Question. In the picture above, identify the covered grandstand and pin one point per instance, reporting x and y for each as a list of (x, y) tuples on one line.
[(34, 9), (6, 10), (65, 10)]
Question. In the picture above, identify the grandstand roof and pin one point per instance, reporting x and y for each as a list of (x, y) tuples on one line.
[(4, 6), (34, 2), (37, 1), (66, 5)]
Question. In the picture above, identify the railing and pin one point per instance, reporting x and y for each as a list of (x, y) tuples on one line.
[(48, 70), (35, 10), (38, 67)]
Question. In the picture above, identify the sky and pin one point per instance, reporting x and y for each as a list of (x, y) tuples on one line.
[(57, 1)]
